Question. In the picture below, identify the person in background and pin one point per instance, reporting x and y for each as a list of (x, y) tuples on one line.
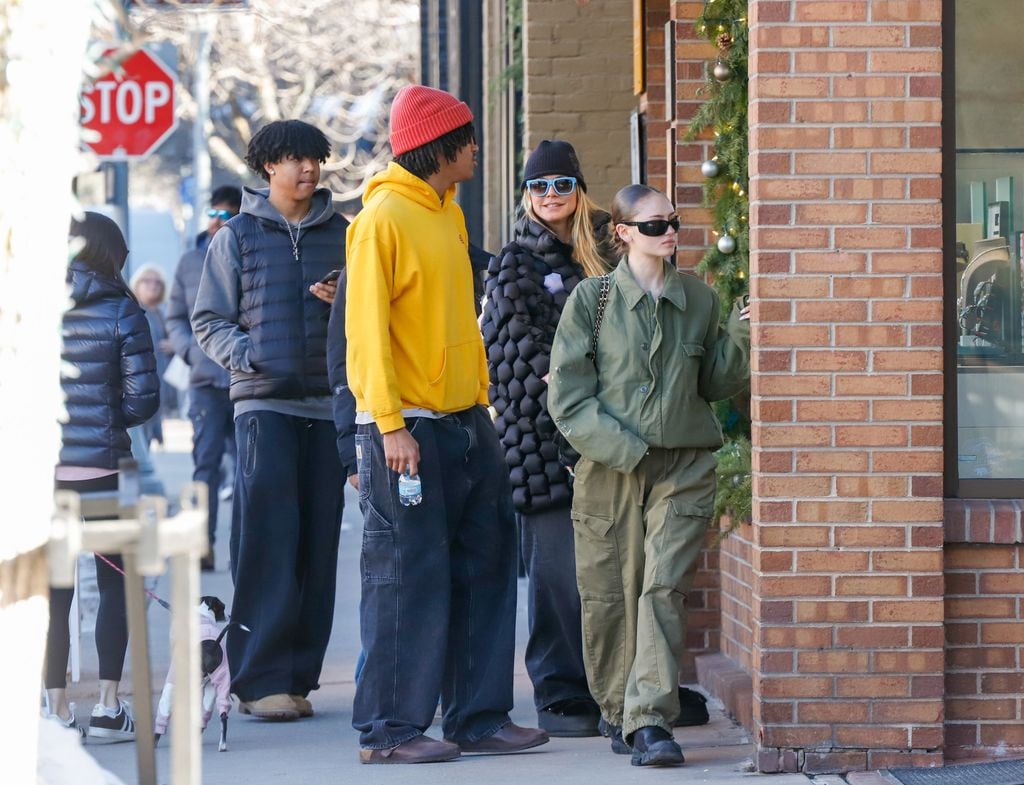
[(560, 238), (110, 383), (437, 614), (261, 313), (209, 404), (638, 355), (149, 286)]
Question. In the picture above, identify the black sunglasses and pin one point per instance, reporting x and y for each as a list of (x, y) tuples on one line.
[(224, 215), (563, 186), (655, 228)]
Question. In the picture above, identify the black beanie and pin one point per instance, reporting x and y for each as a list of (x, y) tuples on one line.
[(553, 156)]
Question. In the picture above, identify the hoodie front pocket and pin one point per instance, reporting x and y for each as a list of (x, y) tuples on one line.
[(458, 363)]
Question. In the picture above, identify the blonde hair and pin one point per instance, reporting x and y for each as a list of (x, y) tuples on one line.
[(147, 269), (585, 250), (625, 206)]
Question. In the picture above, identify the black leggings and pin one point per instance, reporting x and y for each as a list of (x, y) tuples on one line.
[(111, 618)]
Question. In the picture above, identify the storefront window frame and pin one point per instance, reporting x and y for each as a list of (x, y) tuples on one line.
[(954, 486)]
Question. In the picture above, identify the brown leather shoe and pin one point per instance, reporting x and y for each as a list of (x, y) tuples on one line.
[(418, 749), (510, 738), (304, 707), (278, 707)]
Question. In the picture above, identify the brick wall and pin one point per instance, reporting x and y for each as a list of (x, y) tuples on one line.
[(579, 85), (847, 559), (984, 631), (691, 56)]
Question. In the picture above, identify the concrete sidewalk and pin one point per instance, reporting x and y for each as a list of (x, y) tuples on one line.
[(324, 749)]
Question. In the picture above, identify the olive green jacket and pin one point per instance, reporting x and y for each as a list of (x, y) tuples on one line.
[(658, 365)]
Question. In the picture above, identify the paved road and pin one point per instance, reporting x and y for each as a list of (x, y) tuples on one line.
[(324, 749)]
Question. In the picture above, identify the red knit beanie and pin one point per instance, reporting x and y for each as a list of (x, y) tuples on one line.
[(422, 114)]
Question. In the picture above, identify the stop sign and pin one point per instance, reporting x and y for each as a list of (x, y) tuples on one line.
[(132, 109)]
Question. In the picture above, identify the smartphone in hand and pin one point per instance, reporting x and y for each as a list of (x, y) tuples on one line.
[(331, 276)]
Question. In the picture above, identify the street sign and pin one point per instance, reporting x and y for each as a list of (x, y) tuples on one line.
[(131, 108)]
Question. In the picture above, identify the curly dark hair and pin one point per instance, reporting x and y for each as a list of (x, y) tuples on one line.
[(425, 160), (285, 139)]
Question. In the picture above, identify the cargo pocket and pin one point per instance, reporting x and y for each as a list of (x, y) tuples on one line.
[(682, 539), (364, 456), (379, 559), (252, 430), (598, 572)]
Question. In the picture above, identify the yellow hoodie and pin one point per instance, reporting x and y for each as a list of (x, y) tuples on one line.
[(413, 339)]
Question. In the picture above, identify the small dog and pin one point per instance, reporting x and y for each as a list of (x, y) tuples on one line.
[(216, 676)]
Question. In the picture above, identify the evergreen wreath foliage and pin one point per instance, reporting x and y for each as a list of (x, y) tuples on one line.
[(724, 113)]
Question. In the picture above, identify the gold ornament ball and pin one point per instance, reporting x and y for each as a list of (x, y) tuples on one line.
[(722, 72)]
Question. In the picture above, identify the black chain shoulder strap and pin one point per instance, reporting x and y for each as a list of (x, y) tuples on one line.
[(602, 301)]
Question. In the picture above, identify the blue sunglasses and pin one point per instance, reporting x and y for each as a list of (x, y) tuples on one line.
[(224, 215), (563, 186)]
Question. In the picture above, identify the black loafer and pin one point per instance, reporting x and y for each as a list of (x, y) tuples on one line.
[(571, 718), (653, 746), (693, 708)]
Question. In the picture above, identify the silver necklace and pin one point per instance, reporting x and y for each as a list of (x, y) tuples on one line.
[(294, 237), (298, 231)]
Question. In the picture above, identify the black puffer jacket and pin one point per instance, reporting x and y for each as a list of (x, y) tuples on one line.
[(108, 372), (527, 285)]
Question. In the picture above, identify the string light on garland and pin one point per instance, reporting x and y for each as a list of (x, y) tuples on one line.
[(723, 23)]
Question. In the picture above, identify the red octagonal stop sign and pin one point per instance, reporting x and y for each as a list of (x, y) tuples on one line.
[(132, 109)]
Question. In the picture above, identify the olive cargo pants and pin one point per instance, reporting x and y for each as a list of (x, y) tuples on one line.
[(637, 538)]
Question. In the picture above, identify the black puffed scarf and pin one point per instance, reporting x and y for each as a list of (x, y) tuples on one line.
[(519, 319)]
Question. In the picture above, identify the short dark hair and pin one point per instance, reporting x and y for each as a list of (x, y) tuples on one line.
[(227, 194), (285, 139), (425, 160)]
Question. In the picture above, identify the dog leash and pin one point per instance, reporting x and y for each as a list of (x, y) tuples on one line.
[(164, 603)]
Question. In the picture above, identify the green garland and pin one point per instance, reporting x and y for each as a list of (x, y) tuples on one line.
[(725, 113), (724, 23)]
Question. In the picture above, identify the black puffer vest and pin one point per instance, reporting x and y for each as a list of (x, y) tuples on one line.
[(108, 372), (526, 288), (287, 325)]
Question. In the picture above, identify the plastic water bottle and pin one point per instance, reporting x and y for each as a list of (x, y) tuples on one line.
[(410, 492)]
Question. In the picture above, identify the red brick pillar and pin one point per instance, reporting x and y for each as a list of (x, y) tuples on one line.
[(847, 560)]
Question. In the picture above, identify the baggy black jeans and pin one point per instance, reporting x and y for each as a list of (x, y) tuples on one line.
[(554, 650), (284, 552), (438, 586)]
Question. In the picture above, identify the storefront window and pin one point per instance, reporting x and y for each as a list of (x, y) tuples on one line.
[(989, 160)]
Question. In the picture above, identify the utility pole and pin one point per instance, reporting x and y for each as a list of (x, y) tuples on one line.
[(204, 25)]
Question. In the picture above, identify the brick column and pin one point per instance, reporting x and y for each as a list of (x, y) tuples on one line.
[(692, 54), (846, 268), (578, 64)]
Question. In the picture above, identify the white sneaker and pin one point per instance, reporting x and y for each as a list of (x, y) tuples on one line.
[(71, 723), (112, 724)]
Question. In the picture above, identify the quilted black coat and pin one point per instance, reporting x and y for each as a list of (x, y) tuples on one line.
[(108, 371), (526, 288)]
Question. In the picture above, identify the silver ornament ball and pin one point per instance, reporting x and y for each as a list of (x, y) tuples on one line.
[(722, 72), (726, 243), (709, 168)]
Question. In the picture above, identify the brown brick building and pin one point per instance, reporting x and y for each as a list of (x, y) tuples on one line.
[(870, 615)]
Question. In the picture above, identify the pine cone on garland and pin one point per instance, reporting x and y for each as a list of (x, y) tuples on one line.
[(724, 41)]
